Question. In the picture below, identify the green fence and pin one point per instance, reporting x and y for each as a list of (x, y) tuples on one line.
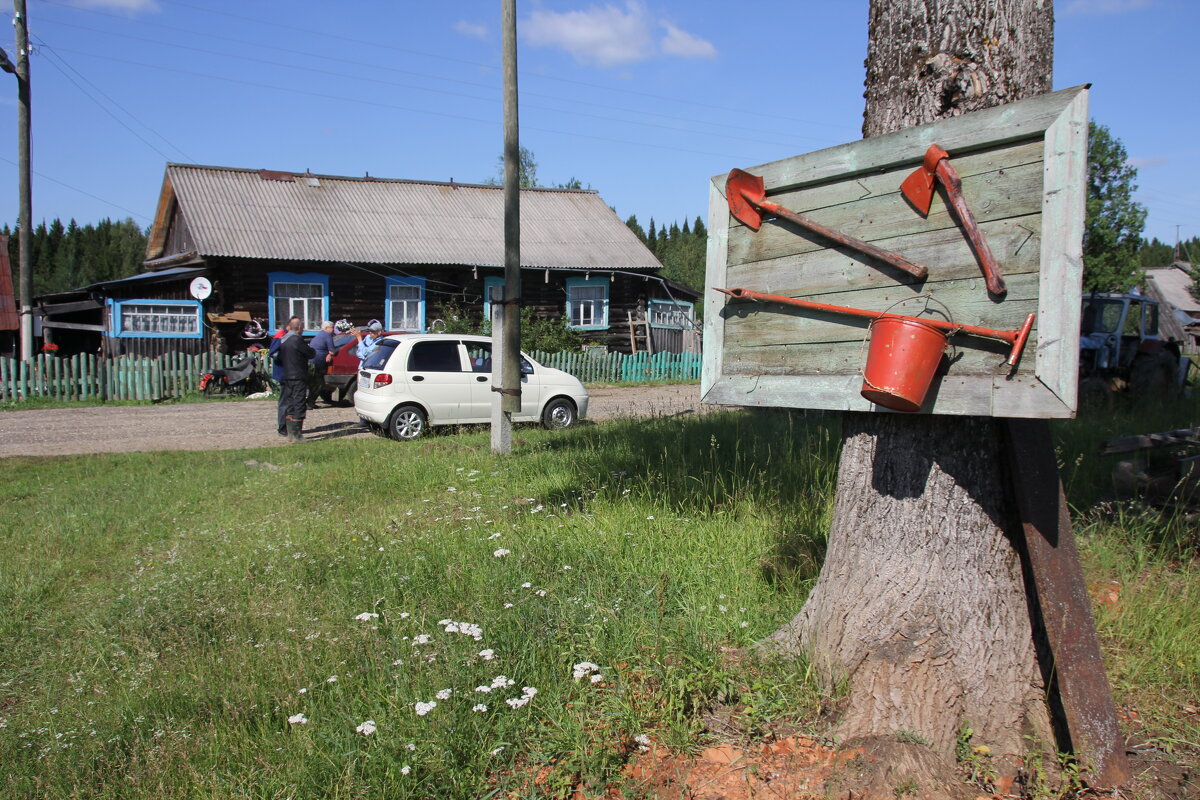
[(89, 377)]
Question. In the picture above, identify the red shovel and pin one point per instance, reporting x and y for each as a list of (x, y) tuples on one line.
[(747, 199), (918, 188)]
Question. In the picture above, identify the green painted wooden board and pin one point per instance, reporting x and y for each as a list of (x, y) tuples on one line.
[(1023, 168)]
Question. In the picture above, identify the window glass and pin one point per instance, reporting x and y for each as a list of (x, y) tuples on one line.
[(303, 300), (671, 315), (380, 355), (587, 304), (434, 357), (480, 354), (404, 306), (1133, 320), (1151, 320), (159, 319)]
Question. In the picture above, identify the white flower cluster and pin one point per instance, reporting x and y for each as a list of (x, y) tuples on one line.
[(479, 707), (643, 742), (298, 719), (367, 728), (443, 694), (465, 628), (424, 708), (527, 694), (366, 616), (487, 655), (503, 551), (586, 669), (421, 638), (501, 681)]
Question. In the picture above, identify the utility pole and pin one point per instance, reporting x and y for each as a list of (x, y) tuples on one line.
[(507, 367), (25, 232)]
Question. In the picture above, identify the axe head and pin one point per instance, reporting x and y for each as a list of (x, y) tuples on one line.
[(918, 187), (743, 191)]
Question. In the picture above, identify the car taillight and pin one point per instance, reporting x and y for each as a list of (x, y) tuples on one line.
[(382, 379)]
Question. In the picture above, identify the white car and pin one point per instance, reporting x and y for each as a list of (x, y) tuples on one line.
[(414, 381)]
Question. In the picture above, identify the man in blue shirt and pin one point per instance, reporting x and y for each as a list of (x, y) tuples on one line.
[(368, 340), (322, 343), (277, 373)]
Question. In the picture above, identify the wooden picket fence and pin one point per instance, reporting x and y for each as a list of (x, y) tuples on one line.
[(173, 375)]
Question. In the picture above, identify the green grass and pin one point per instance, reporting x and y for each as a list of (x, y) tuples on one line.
[(160, 614), (37, 403), (164, 615)]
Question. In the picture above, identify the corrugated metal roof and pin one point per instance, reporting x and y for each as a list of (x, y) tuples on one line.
[(240, 213)]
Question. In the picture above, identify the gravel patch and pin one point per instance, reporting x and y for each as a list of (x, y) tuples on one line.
[(236, 425)]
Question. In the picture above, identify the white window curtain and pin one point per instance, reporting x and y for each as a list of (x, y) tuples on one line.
[(160, 319)]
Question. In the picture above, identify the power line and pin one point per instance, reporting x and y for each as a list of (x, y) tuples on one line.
[(444, 92), (81, 191), (325, 34), (378, 104), (372, 65), (57, 59)]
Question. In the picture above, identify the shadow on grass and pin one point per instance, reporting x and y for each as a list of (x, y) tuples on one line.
[(780, 463)]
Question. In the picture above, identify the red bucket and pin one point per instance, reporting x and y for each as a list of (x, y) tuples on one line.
[(901, 362)]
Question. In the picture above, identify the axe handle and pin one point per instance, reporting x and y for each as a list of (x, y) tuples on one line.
[(918, 271), (948, 175)]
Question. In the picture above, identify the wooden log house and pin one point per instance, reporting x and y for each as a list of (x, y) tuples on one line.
[(408, 253)]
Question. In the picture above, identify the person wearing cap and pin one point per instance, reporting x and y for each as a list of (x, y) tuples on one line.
[(368, 339), (322, 343)]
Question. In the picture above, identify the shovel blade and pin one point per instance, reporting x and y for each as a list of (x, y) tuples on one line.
[(918, 189), (744, 191)]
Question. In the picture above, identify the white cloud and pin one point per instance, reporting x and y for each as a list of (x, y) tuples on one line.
[(128, 6), (606, 37), (685, 45), (612, 36), (1146, 161), (471, 29), (1095, 7)]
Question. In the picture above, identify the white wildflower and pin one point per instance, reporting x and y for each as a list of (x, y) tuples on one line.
[(367, 616), (444, 694), (484, 689), (424, 708), (596, 677), (498, 750), (405, 769), (298, 719), (302, 691), (421, 639), (479, 707), (501, 552), (331, 679), (582, 669), (367, 728), (487, 655)]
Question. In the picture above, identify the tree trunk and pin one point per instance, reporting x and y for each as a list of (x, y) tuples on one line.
[(921, 609)]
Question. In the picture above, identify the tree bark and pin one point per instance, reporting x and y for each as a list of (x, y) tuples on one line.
[(921, 609)]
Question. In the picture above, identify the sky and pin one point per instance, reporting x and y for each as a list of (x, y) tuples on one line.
[(642, 100)]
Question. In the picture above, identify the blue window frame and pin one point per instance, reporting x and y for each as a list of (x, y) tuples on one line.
[(405, 304), (587, 303), (488, 283), (673, 314), (303, 295), (155, 319)]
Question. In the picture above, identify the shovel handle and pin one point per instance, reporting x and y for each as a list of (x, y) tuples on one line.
[(948, 175), (918, 271), (1016, 338)]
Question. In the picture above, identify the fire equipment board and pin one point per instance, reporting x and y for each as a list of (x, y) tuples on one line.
[(1024, 171)]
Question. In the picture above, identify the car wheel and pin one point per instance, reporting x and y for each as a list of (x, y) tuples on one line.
[(348, 397), (559, 414), (406, 423)]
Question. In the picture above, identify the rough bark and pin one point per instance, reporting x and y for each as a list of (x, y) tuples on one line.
[(921, 610)]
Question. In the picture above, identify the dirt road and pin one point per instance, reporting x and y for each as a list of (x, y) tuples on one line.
[(235, 424)]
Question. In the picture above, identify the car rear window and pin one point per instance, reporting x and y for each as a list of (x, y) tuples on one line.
[(379, 356)]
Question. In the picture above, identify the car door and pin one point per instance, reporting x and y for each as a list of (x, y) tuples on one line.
[(436, 378), (479, 356)]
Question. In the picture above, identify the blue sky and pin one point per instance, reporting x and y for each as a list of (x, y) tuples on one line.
[(643, 100)]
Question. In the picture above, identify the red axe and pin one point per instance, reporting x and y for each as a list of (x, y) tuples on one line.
[(918, 189)]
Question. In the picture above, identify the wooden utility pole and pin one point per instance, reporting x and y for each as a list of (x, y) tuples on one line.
[(25, 232), (508, 366)]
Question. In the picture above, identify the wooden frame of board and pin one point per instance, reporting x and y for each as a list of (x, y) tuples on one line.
[(1024, 175)]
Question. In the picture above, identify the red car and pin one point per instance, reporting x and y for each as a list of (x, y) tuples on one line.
[(342, 375)]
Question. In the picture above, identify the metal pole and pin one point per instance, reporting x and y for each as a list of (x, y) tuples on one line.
[(510, 335), (25, 232)]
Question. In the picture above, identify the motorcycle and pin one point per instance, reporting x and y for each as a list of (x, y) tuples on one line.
[(241, 378)]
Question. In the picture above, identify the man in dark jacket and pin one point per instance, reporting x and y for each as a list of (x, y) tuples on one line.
[(293, 358), (277, 373)]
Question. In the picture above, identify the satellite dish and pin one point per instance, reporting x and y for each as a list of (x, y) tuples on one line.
[(200, 288)]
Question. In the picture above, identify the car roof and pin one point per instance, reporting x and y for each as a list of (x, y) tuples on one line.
[(439, 337)]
